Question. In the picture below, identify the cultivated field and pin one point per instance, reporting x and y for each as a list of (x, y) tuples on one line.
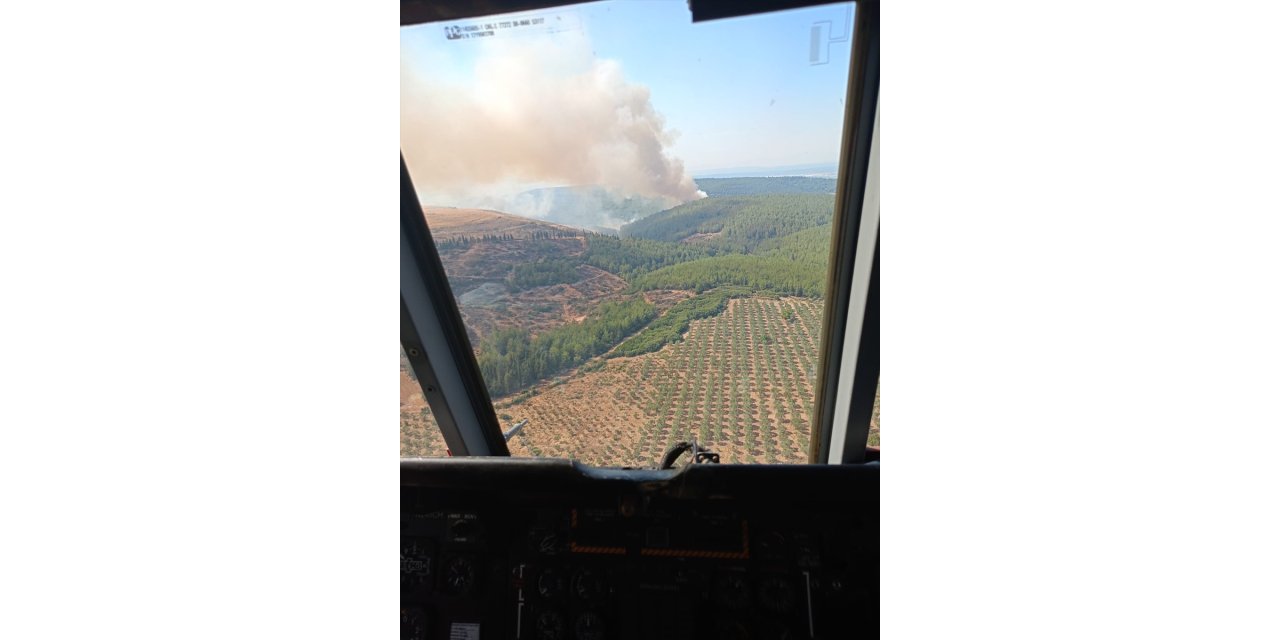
[(741, 382), (419, 435)]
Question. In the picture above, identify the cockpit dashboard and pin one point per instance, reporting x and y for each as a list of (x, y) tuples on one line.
[(552, 549)]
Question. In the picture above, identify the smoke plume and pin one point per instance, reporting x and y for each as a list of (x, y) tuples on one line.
[(537, 112)]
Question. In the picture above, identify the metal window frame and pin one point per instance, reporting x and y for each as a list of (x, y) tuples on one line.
[(435, 340), (849, 360), (421, 11)]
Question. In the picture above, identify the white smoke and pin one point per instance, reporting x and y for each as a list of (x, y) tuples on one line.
[(538, 111), (587, 207)]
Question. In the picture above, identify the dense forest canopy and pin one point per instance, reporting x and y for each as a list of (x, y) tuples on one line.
[(630, 257), (756, 186), (794, 265), (737, 223), (547, 271), (511, 359)]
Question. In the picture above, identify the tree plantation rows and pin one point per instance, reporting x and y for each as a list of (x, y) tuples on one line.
[(744, 385), (458, 241), (419, 435), (750, 400), (672, 325), (740, 381)]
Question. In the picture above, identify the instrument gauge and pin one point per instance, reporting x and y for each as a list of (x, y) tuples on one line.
[(550, 584), (589, 626), (550, 626), (459, 576)]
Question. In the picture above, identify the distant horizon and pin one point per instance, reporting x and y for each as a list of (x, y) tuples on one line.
[(813, 170), (805, 170)]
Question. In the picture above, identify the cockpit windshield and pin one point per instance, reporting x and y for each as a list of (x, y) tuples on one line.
[(634, 214)]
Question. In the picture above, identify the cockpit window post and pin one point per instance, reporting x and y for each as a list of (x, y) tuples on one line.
[(431, 324), (849, 349)]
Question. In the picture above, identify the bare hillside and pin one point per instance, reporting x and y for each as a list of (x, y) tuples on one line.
[(451, 222)]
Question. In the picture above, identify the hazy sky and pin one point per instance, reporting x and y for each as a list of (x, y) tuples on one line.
[(729, 93)]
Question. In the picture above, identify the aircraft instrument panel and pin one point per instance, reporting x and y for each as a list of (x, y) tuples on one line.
[(552, 550)]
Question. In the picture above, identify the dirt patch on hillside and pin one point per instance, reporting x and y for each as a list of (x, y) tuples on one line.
[(542, 308), (479, 249), (702, 238), (665, 299), (471, 265), (451, 222)]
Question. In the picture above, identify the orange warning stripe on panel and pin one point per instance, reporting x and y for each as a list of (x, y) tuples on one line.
[(579, 548), (582, 548)]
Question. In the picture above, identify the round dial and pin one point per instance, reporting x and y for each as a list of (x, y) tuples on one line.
[(588, 585), (459, 576), (550, 584), (589, 626), (544, 541), (550, 625)]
